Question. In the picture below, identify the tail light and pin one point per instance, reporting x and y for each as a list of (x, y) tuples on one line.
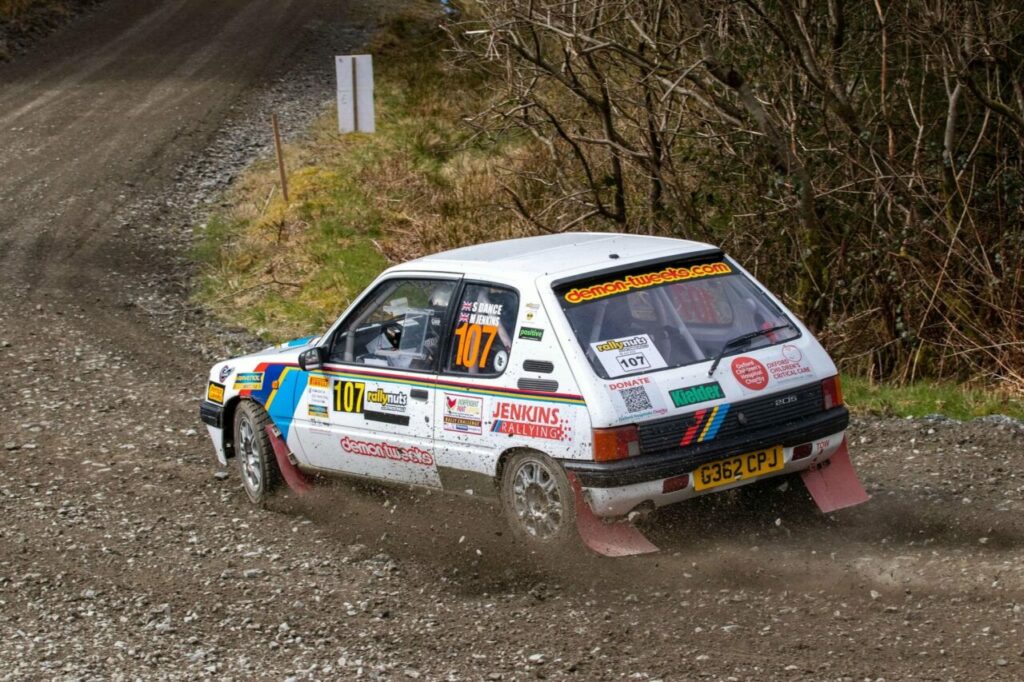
[(803, 450), (618, 443), (670, 485), (832, 392)]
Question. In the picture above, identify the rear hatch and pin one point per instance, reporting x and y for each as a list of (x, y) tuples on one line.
[(697, 355)]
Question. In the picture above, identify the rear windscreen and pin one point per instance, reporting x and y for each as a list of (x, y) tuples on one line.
[(669, 315)]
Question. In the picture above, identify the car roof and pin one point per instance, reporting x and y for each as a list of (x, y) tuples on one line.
[(570, 252)]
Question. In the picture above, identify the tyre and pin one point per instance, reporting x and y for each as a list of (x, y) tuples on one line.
[(538, 501), (256, 461)]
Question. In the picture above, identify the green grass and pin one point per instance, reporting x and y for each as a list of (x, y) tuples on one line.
[(358, 203), (923, 398)]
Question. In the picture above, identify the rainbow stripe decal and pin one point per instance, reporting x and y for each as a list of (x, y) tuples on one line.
[(705, 425)]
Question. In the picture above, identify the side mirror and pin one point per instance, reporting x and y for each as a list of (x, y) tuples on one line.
[(311, 359)]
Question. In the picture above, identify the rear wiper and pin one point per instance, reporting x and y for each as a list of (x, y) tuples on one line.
[(743, 338)]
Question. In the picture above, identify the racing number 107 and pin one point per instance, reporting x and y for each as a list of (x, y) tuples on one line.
[(348, 396), (471, 337)]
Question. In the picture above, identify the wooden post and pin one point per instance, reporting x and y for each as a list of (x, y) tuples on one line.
[(280, 158), (355, 95)]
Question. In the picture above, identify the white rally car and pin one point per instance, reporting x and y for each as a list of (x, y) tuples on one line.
[(576, 377)]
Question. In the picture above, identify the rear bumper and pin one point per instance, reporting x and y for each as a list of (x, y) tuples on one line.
[(619, 501), (675, 462)]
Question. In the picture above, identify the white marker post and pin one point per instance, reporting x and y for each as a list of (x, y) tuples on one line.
[(355, 93)]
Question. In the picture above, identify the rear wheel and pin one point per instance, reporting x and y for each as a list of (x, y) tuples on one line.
[(256, 462), (538, 500)]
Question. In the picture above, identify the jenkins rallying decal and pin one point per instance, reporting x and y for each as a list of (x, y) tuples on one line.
[(249, 380), (681, 397), (533, 421), (407, 453), (630, 282), (750, 373)]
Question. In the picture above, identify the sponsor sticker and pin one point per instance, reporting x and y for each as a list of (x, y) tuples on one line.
[(633, 400), (388, 401), (249, 381), (215, 393), (225, 372), (790, 367), (532, 421), (463, 414), (531, 333), (651, 279), (319, 381), (681, 397), (318, 411), (405, 453), (751, 374), (628, 355)]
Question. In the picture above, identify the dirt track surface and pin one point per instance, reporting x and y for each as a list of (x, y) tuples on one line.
[(121, 556)]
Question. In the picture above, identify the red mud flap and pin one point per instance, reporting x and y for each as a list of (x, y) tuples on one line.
[(296, 480), (607, 539), (835, 484)]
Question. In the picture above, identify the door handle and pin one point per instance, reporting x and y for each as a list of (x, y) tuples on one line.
[(419, 394)]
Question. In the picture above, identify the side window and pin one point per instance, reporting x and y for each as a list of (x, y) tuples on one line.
[(485, 318), (398, 325)]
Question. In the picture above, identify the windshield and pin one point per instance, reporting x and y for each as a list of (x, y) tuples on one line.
[(669, 316)]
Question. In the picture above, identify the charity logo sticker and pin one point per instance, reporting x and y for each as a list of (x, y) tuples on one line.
[(463, 414), (750, 373), (791, 366)]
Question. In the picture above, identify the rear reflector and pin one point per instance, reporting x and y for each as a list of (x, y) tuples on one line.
[(613, 444), (802, 450), (670, 485), (831, 392)]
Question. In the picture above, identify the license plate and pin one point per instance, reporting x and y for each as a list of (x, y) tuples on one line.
[(215, 393), (740, 468)]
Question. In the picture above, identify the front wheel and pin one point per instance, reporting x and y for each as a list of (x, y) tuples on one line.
[(538, 500), (256, 461)]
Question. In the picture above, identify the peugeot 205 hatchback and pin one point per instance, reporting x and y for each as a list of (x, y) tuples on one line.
[(576, 377)]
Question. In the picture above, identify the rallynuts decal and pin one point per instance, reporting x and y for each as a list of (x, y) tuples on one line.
[(463, 414), (628, 355), (406, 453), (751, 374), (630, 282), (532, 421)]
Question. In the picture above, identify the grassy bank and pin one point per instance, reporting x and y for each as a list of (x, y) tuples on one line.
[(927, 397), (422, 183)]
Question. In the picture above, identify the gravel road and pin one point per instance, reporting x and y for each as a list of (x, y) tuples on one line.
[(123, 556)]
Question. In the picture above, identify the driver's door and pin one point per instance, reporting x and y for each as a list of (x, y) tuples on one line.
[(369, 410)]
